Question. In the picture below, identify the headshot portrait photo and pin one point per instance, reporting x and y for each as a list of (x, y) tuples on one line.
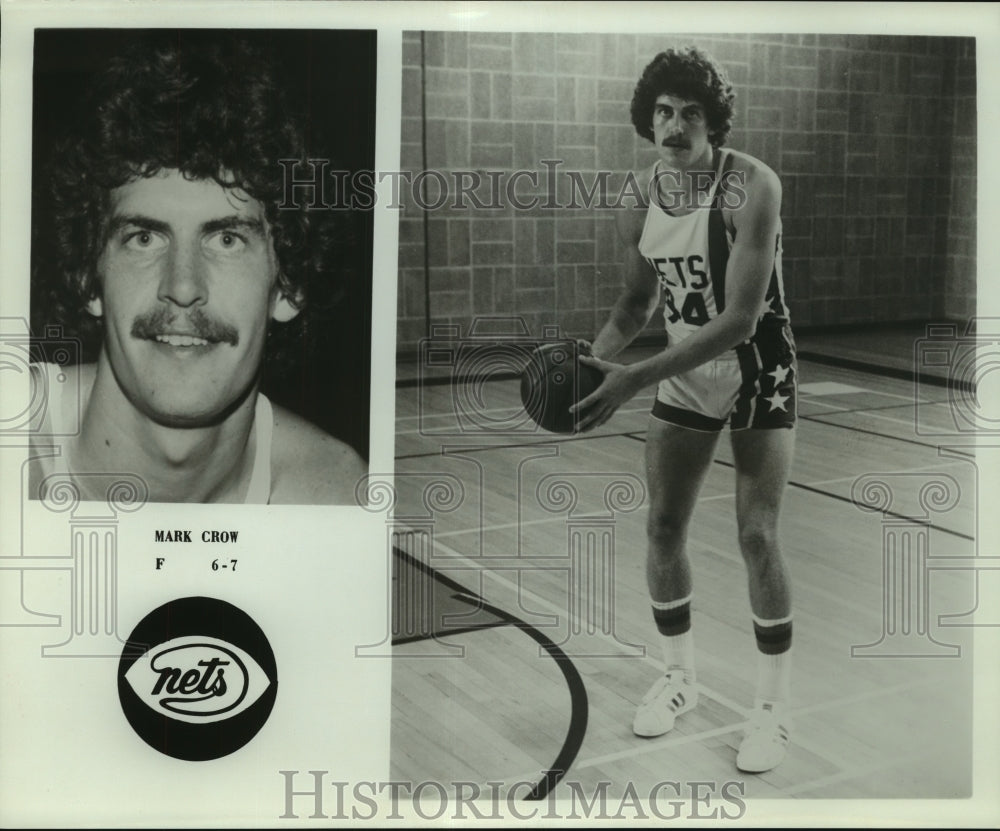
[(201, 268)]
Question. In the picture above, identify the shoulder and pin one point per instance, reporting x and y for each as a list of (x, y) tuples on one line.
[(753, 175), (633, 204), (66, 387), (753, 191), (309, 466)]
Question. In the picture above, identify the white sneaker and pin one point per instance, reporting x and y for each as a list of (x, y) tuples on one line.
[(764, 741), (666, 699)]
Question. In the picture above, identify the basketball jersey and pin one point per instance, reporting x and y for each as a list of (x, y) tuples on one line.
[(689, 254), (259, 490)]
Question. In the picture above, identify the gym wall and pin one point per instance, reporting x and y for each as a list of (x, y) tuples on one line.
[(874, 138)]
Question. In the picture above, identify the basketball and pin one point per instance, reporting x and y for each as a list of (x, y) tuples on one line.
[(552, 381)]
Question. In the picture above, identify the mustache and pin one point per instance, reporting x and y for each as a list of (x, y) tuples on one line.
[(675, 142), (196, 323)]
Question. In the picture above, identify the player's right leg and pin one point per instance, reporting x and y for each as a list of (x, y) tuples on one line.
[(677, 459)]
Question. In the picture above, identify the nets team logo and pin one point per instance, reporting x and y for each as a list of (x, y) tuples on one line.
[(197, 679)]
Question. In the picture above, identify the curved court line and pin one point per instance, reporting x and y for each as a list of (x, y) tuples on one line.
[(449, 632), (579, 704)]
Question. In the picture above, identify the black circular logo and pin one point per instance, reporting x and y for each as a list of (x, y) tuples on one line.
[(197, 678)]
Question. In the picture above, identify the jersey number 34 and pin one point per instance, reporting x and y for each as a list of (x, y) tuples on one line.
[(693, 310)]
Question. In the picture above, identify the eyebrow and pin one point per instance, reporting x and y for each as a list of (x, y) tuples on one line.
[(694, 105), (119, 221), (251, 225)]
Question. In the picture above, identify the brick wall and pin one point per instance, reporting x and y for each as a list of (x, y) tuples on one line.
[(958, 232), (872, 136)]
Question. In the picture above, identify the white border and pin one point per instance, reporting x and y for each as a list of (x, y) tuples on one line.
[(391, 19)]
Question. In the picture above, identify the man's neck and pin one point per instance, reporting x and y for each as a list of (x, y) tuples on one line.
[(680, 189), (191, 464)]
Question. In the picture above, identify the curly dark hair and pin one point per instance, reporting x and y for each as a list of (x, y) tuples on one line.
[(691, 74), (209, 104)]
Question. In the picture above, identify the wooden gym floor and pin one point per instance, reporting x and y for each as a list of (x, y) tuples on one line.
[(523, 638)]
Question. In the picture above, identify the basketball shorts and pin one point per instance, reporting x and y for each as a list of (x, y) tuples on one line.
[(751, 386)]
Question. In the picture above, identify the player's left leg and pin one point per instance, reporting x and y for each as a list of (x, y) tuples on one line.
[(763, 459)]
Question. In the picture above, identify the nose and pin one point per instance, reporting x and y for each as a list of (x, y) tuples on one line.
[(675, 125), (183, 282)]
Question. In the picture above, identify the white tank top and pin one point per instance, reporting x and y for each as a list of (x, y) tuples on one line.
[(690, 253), (259, 490)]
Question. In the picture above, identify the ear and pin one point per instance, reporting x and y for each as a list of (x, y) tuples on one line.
[(95, 307), (285, 308)]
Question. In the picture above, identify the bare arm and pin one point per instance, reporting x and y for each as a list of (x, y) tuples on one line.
[(310, 467), (641, 293)]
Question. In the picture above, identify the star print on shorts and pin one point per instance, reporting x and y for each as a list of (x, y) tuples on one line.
[(767, 398)]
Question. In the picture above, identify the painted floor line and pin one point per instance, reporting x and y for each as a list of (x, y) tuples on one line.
[(853, 772), (505, 526), (796, 740), (656, 746)]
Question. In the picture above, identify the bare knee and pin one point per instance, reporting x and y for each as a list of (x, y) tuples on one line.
[(759, 543), (666, 533)]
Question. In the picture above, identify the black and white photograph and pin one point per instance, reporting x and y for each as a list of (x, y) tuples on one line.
[(498, 414), (617, 248), (174, 382)]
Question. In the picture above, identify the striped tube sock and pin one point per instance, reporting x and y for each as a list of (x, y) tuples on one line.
[(673, 622), (774, 661)]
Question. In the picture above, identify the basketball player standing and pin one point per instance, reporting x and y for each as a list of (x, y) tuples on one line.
[(708, 237)]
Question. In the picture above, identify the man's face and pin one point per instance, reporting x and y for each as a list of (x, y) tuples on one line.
[(188, 284), (680, 131)]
